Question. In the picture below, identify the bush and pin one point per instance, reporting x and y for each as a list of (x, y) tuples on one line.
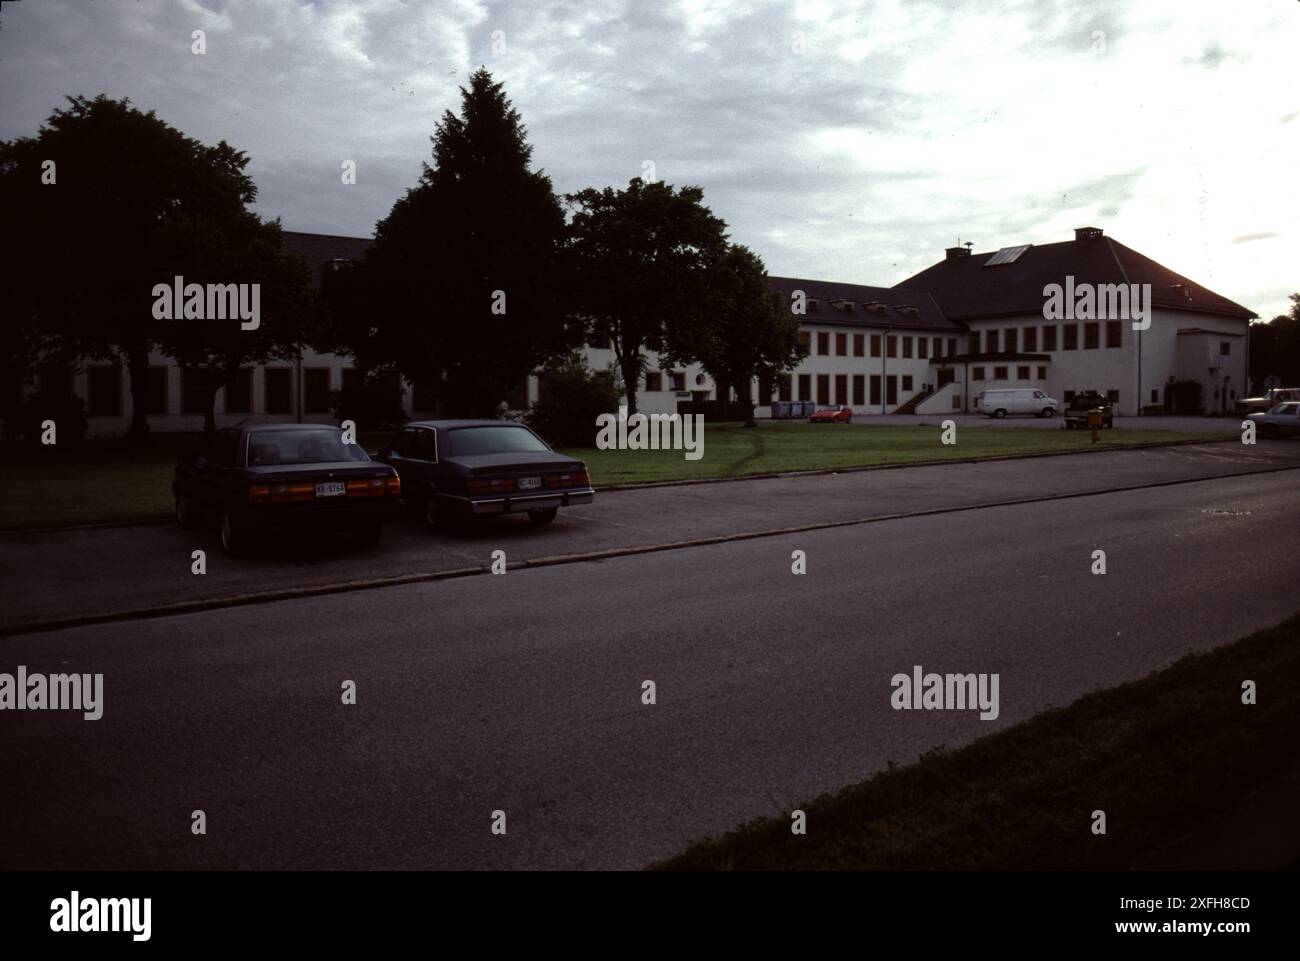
[(68, 412), (372, 404), (571, 397)]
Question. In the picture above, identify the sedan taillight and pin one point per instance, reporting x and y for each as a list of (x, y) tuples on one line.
[(495, 485), (370, 487), (573, 478), (259, 494)]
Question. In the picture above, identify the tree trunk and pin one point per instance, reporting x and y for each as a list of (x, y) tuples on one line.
[(137, 365), (630, 366), (210, 407)]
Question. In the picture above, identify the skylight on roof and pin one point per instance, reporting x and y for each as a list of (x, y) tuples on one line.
[(1007, 255)]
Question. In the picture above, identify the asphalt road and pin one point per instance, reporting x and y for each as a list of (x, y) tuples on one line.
[(53, 576), (522, 692)]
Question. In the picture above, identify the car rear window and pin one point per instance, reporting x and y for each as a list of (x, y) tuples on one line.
[(306, 446), (493, 440)]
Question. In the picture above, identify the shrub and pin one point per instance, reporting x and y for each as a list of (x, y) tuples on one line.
[(371, 403), (571, 397)]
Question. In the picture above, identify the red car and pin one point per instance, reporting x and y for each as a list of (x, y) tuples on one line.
[(839, 414)]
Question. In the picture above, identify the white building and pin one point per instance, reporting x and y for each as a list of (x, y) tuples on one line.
[(928, 345)]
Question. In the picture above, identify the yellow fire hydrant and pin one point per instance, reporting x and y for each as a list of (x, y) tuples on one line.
[(1094, 421)]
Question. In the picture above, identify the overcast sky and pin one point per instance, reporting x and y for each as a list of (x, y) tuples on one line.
[(846, 142)]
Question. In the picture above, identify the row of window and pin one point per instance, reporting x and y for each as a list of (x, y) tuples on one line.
[(923, 348), (1000, 373), (1027, 339), (104, 383), (860, 383), (654, 380)]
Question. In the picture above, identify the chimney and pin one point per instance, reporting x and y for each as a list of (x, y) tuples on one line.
[(956, 253), (1087, 233)]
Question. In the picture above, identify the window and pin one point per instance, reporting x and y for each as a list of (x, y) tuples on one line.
[(401, 444), (805, 387), (316, 390), (824, 389), (279, 390), (1031, 339), (305, 445), (805, 339), (977, 373), (922, 347), (1070, 339), (859, 390), (239, 392), (841, 388), (1112, 396), (875, 388), (973, 342), (424, 447), (1225, 348), (999, 373), (155, 400), (1042, 373), (891, 389), (875, 345), (907, 347), (841, 345), (600, 338), (105, 384), (1113, 336), (1022, 373), (1091, 336), (678, 379), (823, 343), (952, 346), (1049, 337), (907, 382), (193, 397), (1155, 395), (938, 347), (858, 345), (1010, 339), (468, 441), (783, 387), (654, 381), (990, 341), (891, 346)]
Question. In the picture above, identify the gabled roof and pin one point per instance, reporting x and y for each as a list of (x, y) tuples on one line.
[(967, 289), (319, 249), (823, 297)]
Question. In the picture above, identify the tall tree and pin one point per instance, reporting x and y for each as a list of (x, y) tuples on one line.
[(1275, 348), (92, 208), (746, 332), (640, 258), (464, 287)]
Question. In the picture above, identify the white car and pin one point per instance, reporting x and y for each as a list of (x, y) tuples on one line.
[(1281, 420), (1017, 400)]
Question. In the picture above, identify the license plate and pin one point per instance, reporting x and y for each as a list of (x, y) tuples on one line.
[(331, 489), (529, 483)]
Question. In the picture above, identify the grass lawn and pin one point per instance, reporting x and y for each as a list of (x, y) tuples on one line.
[(731, 450), (105, 481), (1160, 756)]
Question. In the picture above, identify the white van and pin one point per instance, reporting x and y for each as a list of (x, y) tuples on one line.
[(1016, 400)]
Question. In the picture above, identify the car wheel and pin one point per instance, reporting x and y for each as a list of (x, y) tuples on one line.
[(233, 540), (544, 516), (1049, 411), (367, 535), (438, 515), (185, 514), (999, 413)]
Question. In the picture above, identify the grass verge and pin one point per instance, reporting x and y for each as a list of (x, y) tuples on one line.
[(106, 482), (1160, 756)]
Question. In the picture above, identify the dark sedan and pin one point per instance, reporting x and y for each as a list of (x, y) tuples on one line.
[(280, 476), (456, 469)]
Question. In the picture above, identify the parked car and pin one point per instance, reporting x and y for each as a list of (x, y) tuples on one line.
[(452, 470), (1272, 397), (1076, 413), (1281, 420), (265, 477), (999, 402), (836, 414)]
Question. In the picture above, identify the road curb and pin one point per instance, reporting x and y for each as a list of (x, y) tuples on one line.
[(400, 580)]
